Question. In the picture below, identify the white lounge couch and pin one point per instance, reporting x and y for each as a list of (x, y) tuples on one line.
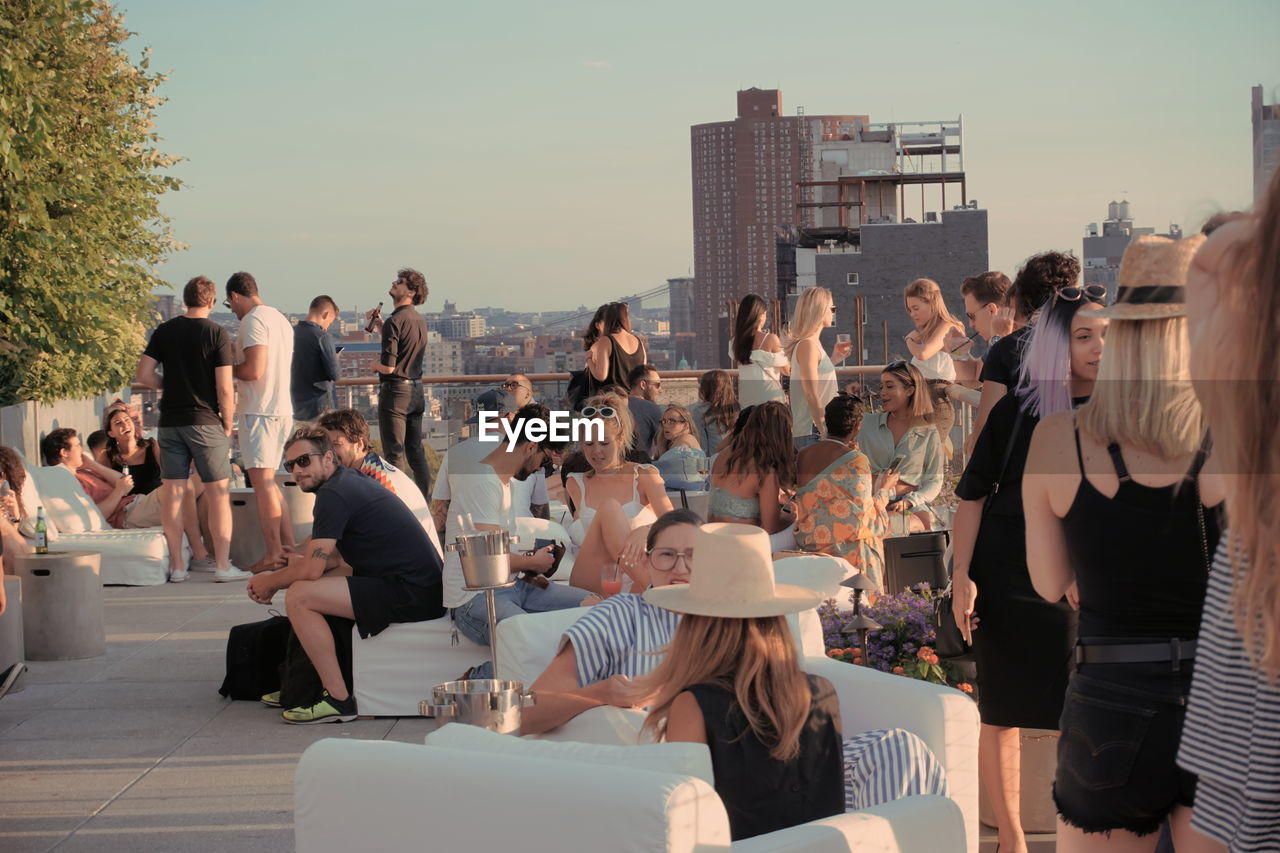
[(447, 793), (137, 557)]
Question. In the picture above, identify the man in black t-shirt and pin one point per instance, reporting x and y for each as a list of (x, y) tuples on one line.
[(400, 400), (197, 411), (395, 570)]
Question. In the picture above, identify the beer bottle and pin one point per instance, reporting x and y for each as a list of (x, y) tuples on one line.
[(42, 532)]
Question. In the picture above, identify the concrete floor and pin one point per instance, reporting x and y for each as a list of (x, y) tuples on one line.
[(135, 751)]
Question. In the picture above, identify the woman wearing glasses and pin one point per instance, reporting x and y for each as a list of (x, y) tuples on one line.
[(813, 376), (902, 433), (614, 502), (1024, 646), (681, 460), (839, 510), (618, 639)]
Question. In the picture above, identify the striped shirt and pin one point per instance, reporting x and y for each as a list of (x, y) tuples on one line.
[(1232, 732), (622, 635)]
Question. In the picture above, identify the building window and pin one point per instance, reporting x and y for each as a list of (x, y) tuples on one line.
[(851, 278)]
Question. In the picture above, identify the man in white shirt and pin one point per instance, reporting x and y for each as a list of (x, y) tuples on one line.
[(481, 492), (265, 350)]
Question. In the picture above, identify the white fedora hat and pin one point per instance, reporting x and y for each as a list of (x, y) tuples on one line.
[(732, 577)]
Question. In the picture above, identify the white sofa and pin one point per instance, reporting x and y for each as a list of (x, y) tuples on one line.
[(443, 795), (137, 557)]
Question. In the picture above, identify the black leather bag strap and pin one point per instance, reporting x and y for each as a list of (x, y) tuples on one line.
[(1004, 461)]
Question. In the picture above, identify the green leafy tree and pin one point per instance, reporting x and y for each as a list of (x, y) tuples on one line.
[(80, 180)]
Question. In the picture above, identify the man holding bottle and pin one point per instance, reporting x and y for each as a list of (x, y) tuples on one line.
[(400, 398)]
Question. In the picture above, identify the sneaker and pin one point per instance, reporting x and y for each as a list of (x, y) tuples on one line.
[(177, 575), (232, 574), (206, 564), (325, 710), (271, 700)]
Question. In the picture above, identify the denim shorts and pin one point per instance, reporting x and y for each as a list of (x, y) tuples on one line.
[(1120, 725)]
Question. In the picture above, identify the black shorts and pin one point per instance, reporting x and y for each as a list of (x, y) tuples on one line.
[(1121, 724), (379, 601)]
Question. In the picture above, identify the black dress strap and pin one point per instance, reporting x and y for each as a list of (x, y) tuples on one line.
[(1117, 459), (1079, 455), (1201, 455)]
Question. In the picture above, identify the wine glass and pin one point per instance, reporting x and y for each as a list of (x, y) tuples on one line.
[(841, 340)]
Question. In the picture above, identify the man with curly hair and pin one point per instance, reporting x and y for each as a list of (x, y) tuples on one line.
[(400, 399)]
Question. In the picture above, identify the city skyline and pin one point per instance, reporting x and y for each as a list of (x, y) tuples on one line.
[(539, 157)]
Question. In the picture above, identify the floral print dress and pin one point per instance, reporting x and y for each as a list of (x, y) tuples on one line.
[(838, 513)]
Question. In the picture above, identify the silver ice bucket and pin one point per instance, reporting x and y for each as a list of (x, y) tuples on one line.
[(485, 557), (484, 702)]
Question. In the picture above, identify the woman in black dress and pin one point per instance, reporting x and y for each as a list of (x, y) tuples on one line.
[(1024, 646)]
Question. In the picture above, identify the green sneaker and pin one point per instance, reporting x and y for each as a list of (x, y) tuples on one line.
[(271, 700), (326, 710)]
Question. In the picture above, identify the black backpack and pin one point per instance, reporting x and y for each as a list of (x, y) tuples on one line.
[(254, 654)]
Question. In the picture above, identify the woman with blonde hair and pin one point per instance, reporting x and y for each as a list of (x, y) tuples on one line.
[(615, 502), (1233, 306), (757, 352), (681, 460), (902, 433), (813, 376), (731, 679), (716, 410), (1118, 504), (933, 343)]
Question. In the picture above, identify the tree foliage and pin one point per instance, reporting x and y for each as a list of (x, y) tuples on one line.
[(80, 180)]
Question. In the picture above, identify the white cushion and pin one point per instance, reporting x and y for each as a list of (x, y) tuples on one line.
[(65, 501), (396, 669), (685, 759), (138, 557), (32, 501)]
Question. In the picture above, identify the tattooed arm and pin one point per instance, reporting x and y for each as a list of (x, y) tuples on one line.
[(308, 562)]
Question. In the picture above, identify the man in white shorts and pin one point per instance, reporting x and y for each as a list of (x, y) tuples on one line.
[(263, 373)]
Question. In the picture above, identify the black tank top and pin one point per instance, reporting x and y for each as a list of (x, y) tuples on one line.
[(1139, 557), (759, 792), (620, 366), (146, 474)]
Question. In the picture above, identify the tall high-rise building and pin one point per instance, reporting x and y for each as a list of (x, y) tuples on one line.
[(1266, 142), (745, 173), (764, 174)]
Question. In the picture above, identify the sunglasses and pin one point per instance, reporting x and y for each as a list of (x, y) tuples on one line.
[(607, 412), (673, 421), (226, 303), (303, 461), (1095, 292), (511, 386)]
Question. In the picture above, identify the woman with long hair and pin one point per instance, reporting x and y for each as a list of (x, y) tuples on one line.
[(681, 460), (1233, 307), (614, 502), (1117, 503), (14, 514), (813, 376), (840, 510), (933, 343), (716, 410), (758, 354), (731, 679), (902, 433), (750, 478), (614, 350), (1025, 645)]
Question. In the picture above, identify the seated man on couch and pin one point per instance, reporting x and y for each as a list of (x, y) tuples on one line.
[(623, 638), (395, 570)]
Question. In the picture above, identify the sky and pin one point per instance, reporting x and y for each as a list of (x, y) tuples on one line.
[(536, 155)]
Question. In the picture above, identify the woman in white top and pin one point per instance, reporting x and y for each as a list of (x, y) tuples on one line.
[(758, 354), (813, 381), (615, 502), (936, 338)]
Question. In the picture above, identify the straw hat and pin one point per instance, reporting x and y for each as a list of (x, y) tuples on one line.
[(1153, 278), (733, 578)]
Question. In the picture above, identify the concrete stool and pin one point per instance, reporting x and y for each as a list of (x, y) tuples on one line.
[(299, 506), (12, 649), (62, 605), (247, 546)]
